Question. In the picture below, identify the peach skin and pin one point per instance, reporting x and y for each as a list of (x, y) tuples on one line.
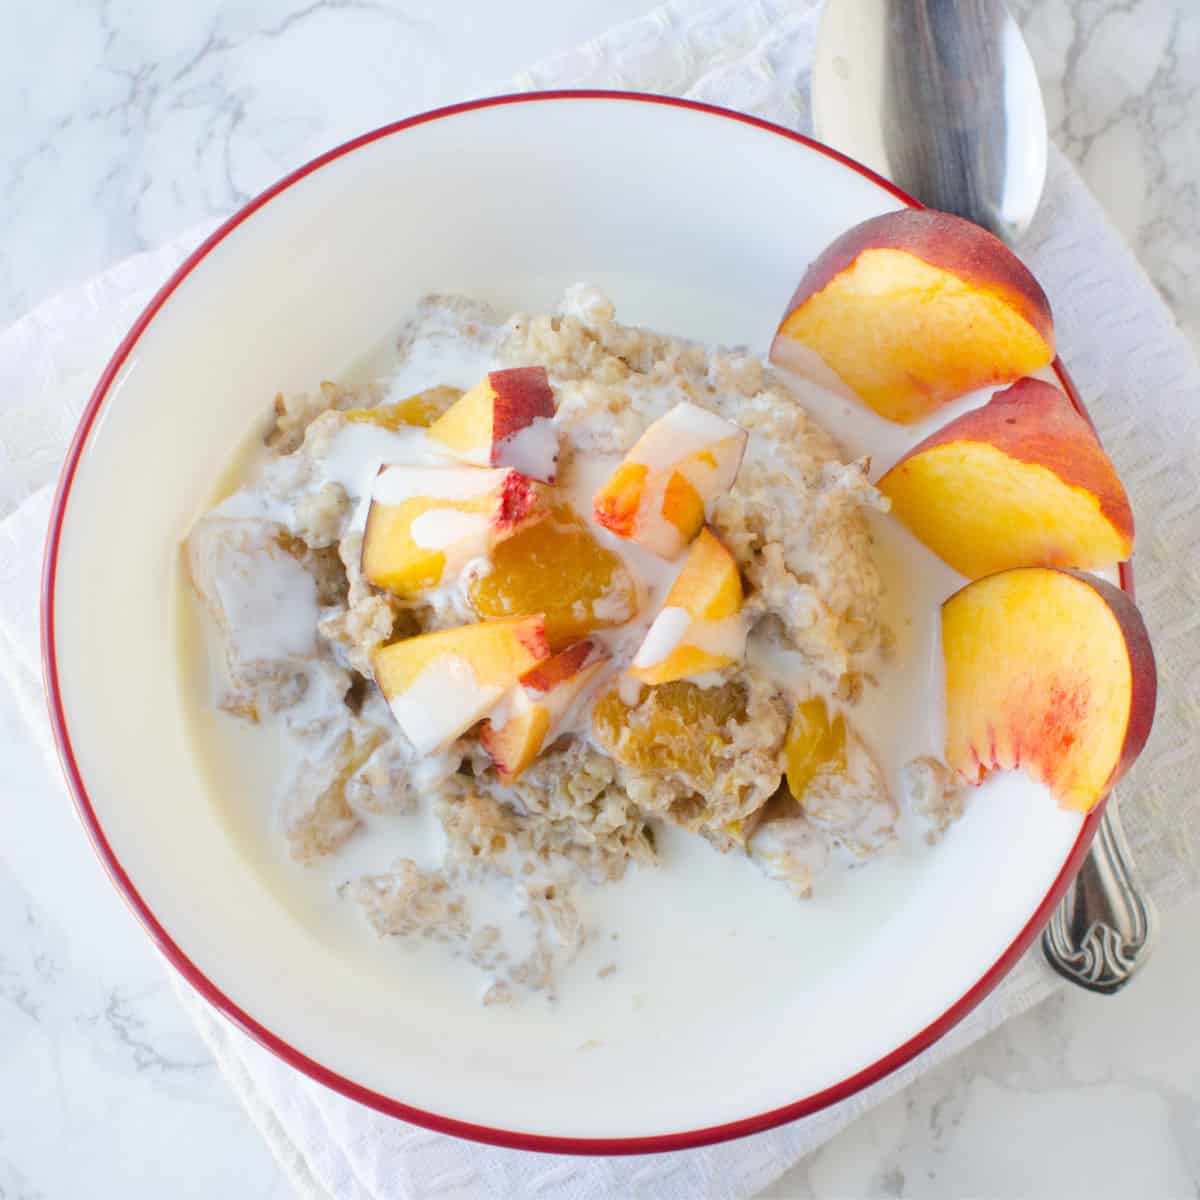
[(505, 420), (530, 714)]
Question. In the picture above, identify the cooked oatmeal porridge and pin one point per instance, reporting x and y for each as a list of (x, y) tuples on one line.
[(530, 598)]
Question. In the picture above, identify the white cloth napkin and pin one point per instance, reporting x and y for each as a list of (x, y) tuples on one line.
[(1134, 369)]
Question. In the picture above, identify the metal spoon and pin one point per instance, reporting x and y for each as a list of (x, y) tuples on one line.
[(941, 97)]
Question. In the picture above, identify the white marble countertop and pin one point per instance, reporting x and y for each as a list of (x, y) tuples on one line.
[(123, 122)]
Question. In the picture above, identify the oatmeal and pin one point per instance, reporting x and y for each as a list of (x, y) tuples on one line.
[(558, 584)]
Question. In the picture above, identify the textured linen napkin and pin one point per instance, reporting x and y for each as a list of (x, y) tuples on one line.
[(1138, 376)]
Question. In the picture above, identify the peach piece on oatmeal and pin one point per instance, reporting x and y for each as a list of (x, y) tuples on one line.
[(556, 567), (676, 727), (426, 523), (505, 420), (836, 782), (658, 496), (440, 684), (418, 411), (815, 745), (700, 627), (530, 713)]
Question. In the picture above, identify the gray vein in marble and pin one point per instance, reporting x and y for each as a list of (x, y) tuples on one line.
[(1123, 95), (127, 1026)]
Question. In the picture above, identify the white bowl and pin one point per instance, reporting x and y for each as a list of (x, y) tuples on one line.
[(698, 221)]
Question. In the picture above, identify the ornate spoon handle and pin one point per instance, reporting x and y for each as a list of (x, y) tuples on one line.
[(1103, 930)]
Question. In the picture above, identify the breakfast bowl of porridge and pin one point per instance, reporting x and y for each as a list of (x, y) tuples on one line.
[(587, 667)]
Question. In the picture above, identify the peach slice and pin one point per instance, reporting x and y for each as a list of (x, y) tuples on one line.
[(506, 420), (530, 714), (439, 684), (1021, 482), (557, 567), (418, 411), (658, 495), (426, 523), (916, 308), (700, 627), (1050, 671)]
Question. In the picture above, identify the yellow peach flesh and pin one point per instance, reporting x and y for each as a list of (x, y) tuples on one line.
[(1048, 671), (556, 567), (708, 589), (816, 746), (907, 337), (499, 653), (1021, 481)]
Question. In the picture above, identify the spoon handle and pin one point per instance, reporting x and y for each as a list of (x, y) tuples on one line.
[(1106, 924)]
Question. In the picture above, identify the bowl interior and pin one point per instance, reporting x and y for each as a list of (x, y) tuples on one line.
[(695, 224)]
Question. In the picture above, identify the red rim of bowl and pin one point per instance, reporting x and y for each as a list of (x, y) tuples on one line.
[(294, 1057)]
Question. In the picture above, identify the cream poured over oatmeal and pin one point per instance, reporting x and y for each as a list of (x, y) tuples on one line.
[(514, 875)]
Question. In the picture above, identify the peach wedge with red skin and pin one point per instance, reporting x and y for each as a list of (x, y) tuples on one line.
[(1021, 482), (505, 420), (659, 494), (915, 308), (530, 713), (700, 627), (425, 523), (1049, 671), (440, 684)]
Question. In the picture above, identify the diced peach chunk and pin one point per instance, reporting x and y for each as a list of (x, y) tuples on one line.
[(836, 781), (530, 713), (1049, 671), (676, 727), (426, 523), (1021, 482), (556, 567), (815, 745), (505, 420), (419, 411), (658, 496), (699, 628), (440, 684), (915, 308)]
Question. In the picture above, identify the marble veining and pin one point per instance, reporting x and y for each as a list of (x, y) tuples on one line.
[(1122, 86), (122, 123), (135, 120)]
